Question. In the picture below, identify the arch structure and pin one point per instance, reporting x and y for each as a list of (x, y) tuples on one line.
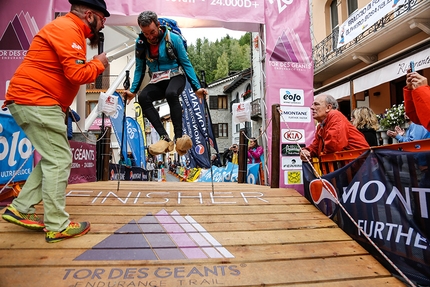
[(285, 54)]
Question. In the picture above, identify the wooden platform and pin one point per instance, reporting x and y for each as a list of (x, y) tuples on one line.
[(170, 234)]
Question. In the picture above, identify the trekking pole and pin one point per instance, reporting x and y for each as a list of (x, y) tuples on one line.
[(126, 85), (208, 145)]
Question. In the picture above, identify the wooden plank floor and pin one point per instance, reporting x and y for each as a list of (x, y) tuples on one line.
[(170, 234)]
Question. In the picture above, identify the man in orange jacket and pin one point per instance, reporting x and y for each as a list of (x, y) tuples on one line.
[(41, 90), (334, 132)]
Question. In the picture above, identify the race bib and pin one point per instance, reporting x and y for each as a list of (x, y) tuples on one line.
[(160, 76)]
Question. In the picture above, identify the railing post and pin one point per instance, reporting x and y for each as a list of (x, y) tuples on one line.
[(243, 157), (276, 154)]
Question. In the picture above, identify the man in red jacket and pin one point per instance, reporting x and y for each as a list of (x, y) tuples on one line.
[(334, 132), (417, 99), (40, 92)]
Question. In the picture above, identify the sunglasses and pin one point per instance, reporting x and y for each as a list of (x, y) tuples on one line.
[(102, 18)]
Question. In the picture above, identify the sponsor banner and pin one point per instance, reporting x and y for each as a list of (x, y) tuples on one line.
[(121, 172), (289, 74), (388, 198), (291, 162), (362, 19), (16, 156), (293, 97), (135, 141), (194, 125), (83, 162), (293, 135), (20, 20), (229, 173), (118, 125)]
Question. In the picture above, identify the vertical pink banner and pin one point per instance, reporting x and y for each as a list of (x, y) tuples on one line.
[(289, 70), (20, 20)]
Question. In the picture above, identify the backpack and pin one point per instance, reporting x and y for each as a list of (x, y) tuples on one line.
[(172, 25)]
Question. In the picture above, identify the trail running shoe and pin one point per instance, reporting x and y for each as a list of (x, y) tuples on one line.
[(183, 144), (75, 229), (30, 221)]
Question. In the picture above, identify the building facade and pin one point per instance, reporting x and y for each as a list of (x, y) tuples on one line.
[(363, 48)]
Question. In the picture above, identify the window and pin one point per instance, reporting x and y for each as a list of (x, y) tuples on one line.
[(90, 105), (248, 92), (218, 102), (333, 14), (220, 130), (352, 6)]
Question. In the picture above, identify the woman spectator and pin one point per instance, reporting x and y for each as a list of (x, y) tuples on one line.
[(255, 152), (365, 120)]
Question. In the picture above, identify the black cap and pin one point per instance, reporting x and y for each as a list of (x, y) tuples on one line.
[(98, 5)]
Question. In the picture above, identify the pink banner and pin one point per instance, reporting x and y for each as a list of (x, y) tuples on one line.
[(83, 162), (239, 11), (289, 71), (20, 20)]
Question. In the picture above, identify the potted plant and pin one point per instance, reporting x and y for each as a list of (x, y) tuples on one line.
[(392, 117)]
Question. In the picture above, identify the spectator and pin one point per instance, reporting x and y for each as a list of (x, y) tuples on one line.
[(334, 131), (365, 120), (131, 157), (232, 155), (255, 152), (413, 133), (39, 94), (417, 99), (126, 162), (150, 166)]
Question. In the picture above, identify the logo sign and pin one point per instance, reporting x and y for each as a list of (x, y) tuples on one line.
[(324, 196), (291, 149), (293, 162), (293, 177), (162, 236), (296, 114), (290, 135), (292, 97)]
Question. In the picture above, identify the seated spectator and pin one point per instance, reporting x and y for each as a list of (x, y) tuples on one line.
[(365, 120)]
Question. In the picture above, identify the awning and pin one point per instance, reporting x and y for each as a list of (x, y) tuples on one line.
[(392, 71), (338, 92)]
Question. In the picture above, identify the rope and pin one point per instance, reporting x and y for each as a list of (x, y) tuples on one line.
[(347, 214), (16, 172), (83, 133)]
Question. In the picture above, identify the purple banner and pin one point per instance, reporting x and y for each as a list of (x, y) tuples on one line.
[(83, 162), (20, 20)]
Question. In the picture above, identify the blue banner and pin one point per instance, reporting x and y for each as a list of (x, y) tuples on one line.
[(229, 173), (136, 142), (15, 149), (118, 124), (388, 196), (194, 125)]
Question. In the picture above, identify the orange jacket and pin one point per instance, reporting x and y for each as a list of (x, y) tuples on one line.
[(334, 134), (55, 65), (417, 105)]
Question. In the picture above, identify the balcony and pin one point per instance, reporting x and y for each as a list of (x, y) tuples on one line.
[(256, 109), (399, 25)]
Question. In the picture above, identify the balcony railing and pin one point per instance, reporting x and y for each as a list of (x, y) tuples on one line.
[(103, 82), (255, 109), (327, 49)]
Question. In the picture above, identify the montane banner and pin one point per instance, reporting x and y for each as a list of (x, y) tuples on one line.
[(388, 198), (194, 125)]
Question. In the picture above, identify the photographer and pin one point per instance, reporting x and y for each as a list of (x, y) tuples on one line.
[(231, 155)]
